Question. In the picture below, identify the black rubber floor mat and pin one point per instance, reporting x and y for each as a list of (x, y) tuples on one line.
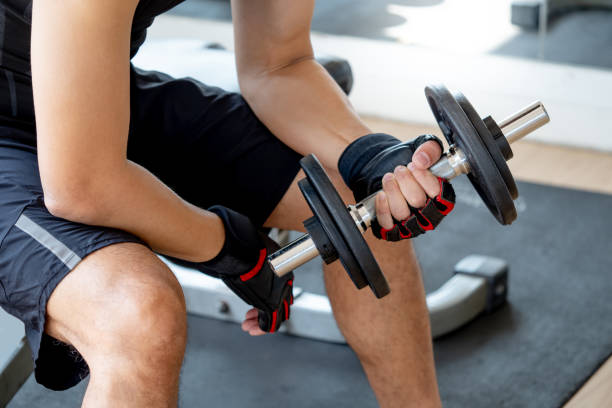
[(534, 352)]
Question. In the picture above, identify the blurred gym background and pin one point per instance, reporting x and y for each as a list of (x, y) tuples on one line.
[(573, 32)]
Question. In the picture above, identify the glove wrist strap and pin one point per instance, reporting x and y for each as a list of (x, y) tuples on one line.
[(241, 253), (360, 152)]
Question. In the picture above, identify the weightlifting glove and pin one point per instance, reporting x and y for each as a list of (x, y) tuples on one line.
[(242, 266), (362, 166)]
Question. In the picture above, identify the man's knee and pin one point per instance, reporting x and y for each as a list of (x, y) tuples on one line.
[(124, 301), (147, 315)]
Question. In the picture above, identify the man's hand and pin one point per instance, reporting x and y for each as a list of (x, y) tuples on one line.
[(251, 323), (412, 199), (408, 185), (243, 267)]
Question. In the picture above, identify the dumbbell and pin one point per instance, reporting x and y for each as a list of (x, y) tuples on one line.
[(478, 148)]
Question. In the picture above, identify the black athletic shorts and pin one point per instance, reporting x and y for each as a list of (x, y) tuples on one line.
[(204, 143)]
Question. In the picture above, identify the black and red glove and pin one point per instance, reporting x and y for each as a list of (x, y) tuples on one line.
[(362, 166), (243, 267), (421, 220)]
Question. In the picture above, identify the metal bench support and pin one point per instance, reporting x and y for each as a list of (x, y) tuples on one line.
[(478, 285)]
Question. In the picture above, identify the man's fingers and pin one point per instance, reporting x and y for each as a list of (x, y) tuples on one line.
[(255, 330), (248, 324), (252, 314), (410, 188), (383, 213), (251, 323), (395, 198), (426, 155), (426, 180)]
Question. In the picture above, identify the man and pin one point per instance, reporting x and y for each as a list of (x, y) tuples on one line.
[(119, 164)]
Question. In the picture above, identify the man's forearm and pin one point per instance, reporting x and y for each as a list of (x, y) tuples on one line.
[(303, 106), (134, 200), (82, 101)]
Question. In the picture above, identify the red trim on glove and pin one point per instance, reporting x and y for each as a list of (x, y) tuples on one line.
[(449, 205), (286, 309), (273, 327), (409, 232), (428, 227), (383, 232), (262, 257)]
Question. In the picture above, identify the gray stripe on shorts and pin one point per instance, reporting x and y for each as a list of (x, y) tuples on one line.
[(65, 254)]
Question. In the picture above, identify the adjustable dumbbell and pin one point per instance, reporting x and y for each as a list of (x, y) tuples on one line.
[(479, 148)]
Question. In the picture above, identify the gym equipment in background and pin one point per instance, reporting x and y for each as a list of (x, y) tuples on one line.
[(478, 148), (15, 357), (534, 14)]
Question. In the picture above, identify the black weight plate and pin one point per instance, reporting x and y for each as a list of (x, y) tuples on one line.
[(489, 142), (484, 175), (344, 253), (345, 224)]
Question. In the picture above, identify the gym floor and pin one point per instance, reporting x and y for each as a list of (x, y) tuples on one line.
[(536, 162)]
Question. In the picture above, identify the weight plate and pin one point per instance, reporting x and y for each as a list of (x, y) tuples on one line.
[(345, 224), (489, 142), (484, 175), (344, 253)]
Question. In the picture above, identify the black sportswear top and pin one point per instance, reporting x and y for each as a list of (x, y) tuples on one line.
[(16, 102)]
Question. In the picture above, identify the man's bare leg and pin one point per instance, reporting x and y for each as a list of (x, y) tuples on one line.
[(391, 336), (124, 311)]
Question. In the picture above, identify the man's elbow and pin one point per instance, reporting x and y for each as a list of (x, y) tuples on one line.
[(78, 202), (254, 80), (249, 86)]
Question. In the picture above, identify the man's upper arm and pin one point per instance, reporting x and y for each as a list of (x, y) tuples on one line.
[(80, 74), (271, 34)]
